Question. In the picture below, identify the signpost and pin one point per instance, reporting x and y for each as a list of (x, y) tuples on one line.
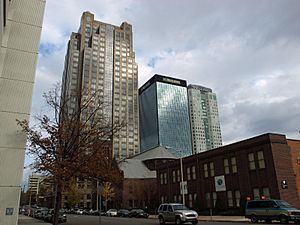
[(220, 183)]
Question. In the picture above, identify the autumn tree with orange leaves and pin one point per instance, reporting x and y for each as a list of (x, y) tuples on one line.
[(73, 142)]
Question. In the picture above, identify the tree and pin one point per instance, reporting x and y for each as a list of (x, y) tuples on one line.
[(73, 141), (108, 193), (73, 194)]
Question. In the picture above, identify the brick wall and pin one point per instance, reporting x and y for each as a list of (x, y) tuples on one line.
[(295, 158)]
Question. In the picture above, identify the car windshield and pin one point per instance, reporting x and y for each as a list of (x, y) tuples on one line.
[(283, 204), (180, 207)]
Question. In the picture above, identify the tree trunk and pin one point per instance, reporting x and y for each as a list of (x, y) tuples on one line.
[(58, 197)]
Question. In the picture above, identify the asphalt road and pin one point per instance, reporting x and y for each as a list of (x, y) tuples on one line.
[(94, 220)]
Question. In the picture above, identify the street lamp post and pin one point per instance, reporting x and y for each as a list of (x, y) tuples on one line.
[(183, 184)]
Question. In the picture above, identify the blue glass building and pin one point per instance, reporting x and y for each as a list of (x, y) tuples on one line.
[(164, 115)]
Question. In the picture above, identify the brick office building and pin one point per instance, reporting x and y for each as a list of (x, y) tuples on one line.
[(266, 166)]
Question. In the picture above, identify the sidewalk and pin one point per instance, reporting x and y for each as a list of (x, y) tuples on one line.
[(24, 220), (224, 218)]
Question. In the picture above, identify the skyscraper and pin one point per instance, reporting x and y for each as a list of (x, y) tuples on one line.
[(20, 30), (100, 59), (164, 115), (205, 124)]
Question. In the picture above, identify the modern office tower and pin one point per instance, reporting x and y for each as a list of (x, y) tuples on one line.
[(100, 60), (164, 115), (204, 116), (20, 30)]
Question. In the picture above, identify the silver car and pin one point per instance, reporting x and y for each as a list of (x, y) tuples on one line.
[(270, 209), (175, 212)]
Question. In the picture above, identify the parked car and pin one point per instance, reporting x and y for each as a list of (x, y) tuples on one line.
[(112, 212), (79, 212), (138, 213), (123, 213), (32, 211), (41, 213), (175, 212), (62, 218), (270, 209)]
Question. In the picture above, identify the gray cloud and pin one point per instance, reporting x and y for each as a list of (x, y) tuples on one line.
[(247, 51)]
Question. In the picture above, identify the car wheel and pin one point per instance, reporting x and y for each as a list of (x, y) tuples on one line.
[(161, 220), (268, 221), (195, 222), (283, 219), (177, 221), (253, 219)]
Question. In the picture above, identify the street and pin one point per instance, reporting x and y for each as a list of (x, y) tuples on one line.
[(94, 220)]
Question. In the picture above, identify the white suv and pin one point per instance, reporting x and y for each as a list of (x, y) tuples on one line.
[(175, 212)]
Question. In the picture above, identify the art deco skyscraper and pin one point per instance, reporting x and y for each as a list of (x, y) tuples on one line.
[(20, 32), (205, 124), (100, 59)]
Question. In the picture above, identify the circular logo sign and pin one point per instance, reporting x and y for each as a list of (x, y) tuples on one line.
[(220, 181)]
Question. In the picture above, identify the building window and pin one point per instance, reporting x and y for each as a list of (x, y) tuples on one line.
[(175, 198), (256, 193), (237, 195), (179, 198), (188, 173), (266, 192), (193, 172), (165, 178), (229, 199), (207, 198), (174, 176), (214, 194), (205, 168), (161, 178), (162, 199), (233, 165), (178, 176), (212, 169), (251, 161), (195, 197), (190, 200), (226, 166), (261, 160), (4, 13)]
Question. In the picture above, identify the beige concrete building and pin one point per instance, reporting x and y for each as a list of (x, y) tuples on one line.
[(204, 118), (100, 60), (20, 29)]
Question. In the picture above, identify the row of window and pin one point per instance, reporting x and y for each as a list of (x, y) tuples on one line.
[(255, 160)]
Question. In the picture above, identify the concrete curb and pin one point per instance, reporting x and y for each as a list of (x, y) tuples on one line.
[(215, 218)]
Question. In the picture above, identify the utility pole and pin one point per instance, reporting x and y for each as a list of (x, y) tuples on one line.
[(100, 202), (97, 198)]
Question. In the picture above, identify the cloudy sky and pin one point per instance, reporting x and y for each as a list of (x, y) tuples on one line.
[(248, 52)]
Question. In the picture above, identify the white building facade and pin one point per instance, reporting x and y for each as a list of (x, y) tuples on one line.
[(20, 30), (204, 118)]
